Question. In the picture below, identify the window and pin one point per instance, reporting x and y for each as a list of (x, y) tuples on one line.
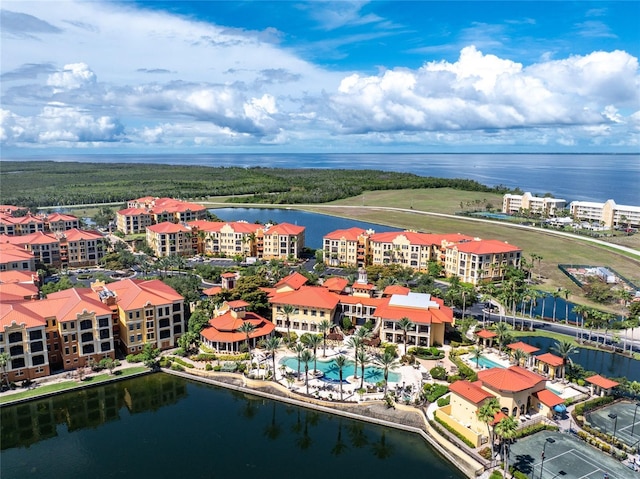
[(165, 334), (38, 359), (74, 349), (177, 329), (66, 350), (139, 337), (164, 322), (130, 327), (88, 349), (86, 324), (176, 307), (15, 337), (106, 346), (65, 338), (37, 346), (73, 325), (138, 325), (86, 337), (17, 363), (132, 339), (104, 333), (64, 326), (33, 335), (16, 350), (73, 337)]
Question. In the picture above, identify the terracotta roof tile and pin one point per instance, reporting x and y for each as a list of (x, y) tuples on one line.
[(550, 359), (511, 379), (547, 398), (486, 334), (527, 348), (470, 391), (601, 381)]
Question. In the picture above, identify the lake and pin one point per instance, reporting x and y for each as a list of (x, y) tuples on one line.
[(601, 362), (167, 427)]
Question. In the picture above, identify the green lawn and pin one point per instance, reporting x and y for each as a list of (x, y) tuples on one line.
[(72, 384)]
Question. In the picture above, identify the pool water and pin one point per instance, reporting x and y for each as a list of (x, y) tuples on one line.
[(484, 362), (372, 374)]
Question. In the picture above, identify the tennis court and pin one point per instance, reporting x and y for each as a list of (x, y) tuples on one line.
[(618, 420), (565, 457)]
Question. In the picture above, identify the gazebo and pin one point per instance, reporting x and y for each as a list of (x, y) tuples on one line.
[(486, 337), (526, 348), (550, 365), (601, 386)]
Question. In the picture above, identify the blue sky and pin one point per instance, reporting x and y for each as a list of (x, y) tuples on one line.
[(286, 76)]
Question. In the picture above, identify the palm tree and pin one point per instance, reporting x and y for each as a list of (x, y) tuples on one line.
[(502, 333), (324, 327), (247, 328), (312, 341), (288, 310), (564, 348), (387, 361), (405, 325), (556, 295), (519, 356), (298, 349), (306, 357), (476, 353), (355, 342), (582, 311), (506, 429), (273, 345), (486, 414), (363, 357), (341, 361), (566, 293), (5, 358)]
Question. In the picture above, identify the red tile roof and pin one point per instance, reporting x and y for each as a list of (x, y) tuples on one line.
[(285, 229), (550, 359), (350, 234), (601, 381), (75, 301), (489, 246), (390, 312), (470, 391), (19, 314), (295, 280), (336, 284), (224, 329), (511, 379), (548, 398), (212, 291), (486, 334), (135, 294), (363, 286), (307, 296), (75, 234), (11, 292), (527, 348), (133, 212), (395, 289), (168, 227)]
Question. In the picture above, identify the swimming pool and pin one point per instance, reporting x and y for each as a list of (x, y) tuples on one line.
[(484, 362), (331, 374), (497, 216)]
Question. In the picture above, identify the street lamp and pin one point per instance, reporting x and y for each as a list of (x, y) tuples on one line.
[(634, 417), (614, 417), (549, 440)]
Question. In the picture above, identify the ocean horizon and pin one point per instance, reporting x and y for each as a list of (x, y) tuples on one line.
[(593, 177)]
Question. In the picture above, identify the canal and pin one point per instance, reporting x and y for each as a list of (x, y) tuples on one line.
[(168, 427)]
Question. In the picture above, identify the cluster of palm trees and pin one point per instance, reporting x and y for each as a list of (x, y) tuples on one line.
[(505, 429)]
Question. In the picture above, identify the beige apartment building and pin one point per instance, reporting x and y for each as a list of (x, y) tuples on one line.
[(169, 239), (541, 205), (479, 260), (143, 212), (608, 214), (349, 247), (282, 241), (58, 222), (80, 248)]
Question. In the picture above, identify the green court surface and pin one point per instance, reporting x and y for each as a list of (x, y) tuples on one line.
[(566, 458), (618, 420)]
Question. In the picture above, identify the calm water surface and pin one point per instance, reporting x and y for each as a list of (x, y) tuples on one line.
[(166, 427)]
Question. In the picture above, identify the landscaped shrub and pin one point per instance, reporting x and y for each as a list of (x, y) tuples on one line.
[(486, 453), (517, 474), (527, 431), (164, 362), (496, 475), (451, 430), (183, 363), (177, 367), (426, 353), (217, 368), (444, 401), (134, 358), (204, 357), (433, 392), (438, 372), (208, 367)]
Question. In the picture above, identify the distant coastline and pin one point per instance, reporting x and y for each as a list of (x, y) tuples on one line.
[(571, 176)]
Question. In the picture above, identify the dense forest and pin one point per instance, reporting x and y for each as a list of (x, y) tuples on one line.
[(47, 183)]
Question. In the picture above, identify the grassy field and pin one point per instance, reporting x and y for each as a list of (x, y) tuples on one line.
[(71, 384)]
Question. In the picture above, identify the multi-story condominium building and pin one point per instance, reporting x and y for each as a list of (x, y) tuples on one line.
[(58, 222), (144, 312), (608, 214), (540, 205), (411, 249), (20, 225), (81, 248), (282, 241), (428, 314), (133, 220), (16, 258), (170, 239), (239, 238), (44, 246), (146, 211), (225, 239), (348, 247), (480, 260)]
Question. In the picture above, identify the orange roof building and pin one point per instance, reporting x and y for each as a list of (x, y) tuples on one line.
[(480, 260), (223, 332), (169, 239), (549, 365), (282, 241), (601, 386), (312, 305), (428, 314), (348, 247)]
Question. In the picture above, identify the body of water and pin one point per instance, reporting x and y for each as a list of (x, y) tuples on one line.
[(584, 177), (316, 225), (601, 362), (167, 427)]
